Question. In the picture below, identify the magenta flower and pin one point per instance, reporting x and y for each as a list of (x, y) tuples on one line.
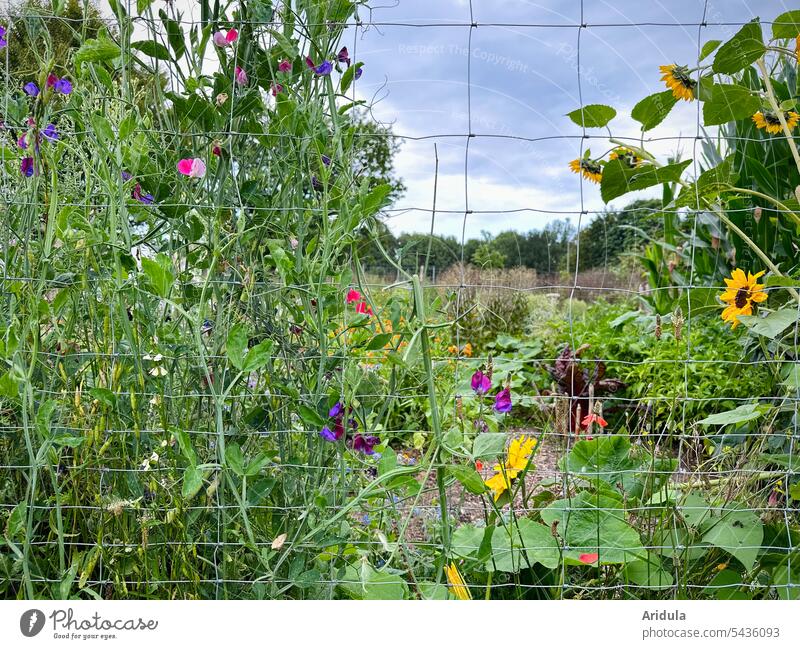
[(502, 402), (275, 89), (481, 383), (192, 167), (137, 195), (241, 76), (353, 296), (365, 443), (26, 167), (224, 40), (285, 66), (3, 39), (51, 80), (31, 89), (343, 56), (22, 142), (310, 63)]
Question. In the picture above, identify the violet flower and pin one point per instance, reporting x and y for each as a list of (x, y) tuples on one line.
[(137, 194), (336, 410), (324, 69), (327, 434), (31, 89), (502, 402), (26, 167), (481, 383), (22, 142), (365, 443), (359, 71), (50, 132), (343, 56), (63, 86), (3, 39)]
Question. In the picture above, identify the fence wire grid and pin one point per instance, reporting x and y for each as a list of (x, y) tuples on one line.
[(141, 457)]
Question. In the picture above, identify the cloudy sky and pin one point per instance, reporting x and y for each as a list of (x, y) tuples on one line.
[(510, 85)]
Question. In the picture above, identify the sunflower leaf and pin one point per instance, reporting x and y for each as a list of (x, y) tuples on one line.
[(729, 102), (746, 46), (787, 25), (773, 324), (593, 115), (652, 110), (619, 178)]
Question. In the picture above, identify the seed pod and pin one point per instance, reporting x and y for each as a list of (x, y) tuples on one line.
[(677, 322), (658, 327)]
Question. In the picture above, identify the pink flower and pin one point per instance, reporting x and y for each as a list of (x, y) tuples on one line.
[(223, 40), (241, 76), (589, 557), (363, 307), (275, 89), (285, 66), (192, 167), (353, 296)]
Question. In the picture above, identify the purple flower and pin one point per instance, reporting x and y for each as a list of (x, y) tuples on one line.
[(365, 443), (3, 40), (310, 63), (63, 86), (326, 160), (327, 434), (50, 132), (26, 167), (22, 142), (324, 69), (316, 184), (502, 402), (31, 89), (336, 410), (481, 383), (359, 71), (137, 194), (343, 56), (126, 176)]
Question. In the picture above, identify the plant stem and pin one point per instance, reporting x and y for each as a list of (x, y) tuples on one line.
[(773, 102)]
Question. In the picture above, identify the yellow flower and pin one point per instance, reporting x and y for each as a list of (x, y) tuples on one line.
[(455, 582), (797, 48), (590, 169), (519, 453), (677, 79), (627, 156), (770, 122), (467, 350), (743, 291), (452, 349)]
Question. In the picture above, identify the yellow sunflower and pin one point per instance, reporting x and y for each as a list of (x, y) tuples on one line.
[(678, 80), (590, 169), (743, 291), (797, 48), (626, 155), (519, 453), (770, 122), (455, 582)]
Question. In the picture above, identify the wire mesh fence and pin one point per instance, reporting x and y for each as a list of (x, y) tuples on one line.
[(224, 377)]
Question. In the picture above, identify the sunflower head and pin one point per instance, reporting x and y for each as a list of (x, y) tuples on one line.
[(678, 79), (627, 156), (588, 168), (455, 582), (771, 123), (742, 293)]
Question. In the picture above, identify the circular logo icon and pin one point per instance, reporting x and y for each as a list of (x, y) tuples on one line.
[(31, 622)]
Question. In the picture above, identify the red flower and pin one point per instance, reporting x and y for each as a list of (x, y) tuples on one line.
[(363, 307), (353, 296), (479, 465), (589, 557), (594, 418)]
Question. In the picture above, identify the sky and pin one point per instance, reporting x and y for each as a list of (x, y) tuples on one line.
[(510, 82)]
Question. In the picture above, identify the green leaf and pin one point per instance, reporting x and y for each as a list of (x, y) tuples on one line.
[(142, 5), (469, 477), (652, 110), (787, 25), (192, 482), (347, 78), (593, 115), (379, 341), (489, 446), (726, 585), (514, 547), (591, 523), (257, 356), (159, 273), (286, 45), (185, 444), (773, 324), (152, 48), (376, 199), (619, 179), (175, 35), (104, 396), (234, 458), (738, 532), (708, 47), (8, 386), (729, 102), (381, 585), (781, 580), (467, 540), (709, 185), (103, 130), (16, 523), (648, 573), (604, 457), (97, 50), (236, 346), (739, 415), (746, 46)]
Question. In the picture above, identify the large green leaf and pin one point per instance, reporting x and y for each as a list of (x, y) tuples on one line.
[(738, 532), (746, 46), (709, 185), (773, 324), (652, 110), (593, 115), (159, 273), (469, 477), (605, 457), (515, 547), (95, 50), (648, 573), (236, 346), (152, 48), (489, 445), (787, 25), (728, 103), (592, 523), (619, 178), (739, 415)]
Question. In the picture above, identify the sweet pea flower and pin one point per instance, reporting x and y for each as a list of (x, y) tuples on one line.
[(22, 142), (327, 434), (352, 295), (310, 63), (359, 72), (324, 69), (63, 86), (336, 410), (275, 88), (192, 167), (51, 80), (285, 66), (216, 148), (224, 40), (26, 167), (502, 402), (50, 132), (3, 39), (31, 89), (343, 56), (365, 443), (481, 383), (241, 76), (363, 307), (137, 194), (221, 98)]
